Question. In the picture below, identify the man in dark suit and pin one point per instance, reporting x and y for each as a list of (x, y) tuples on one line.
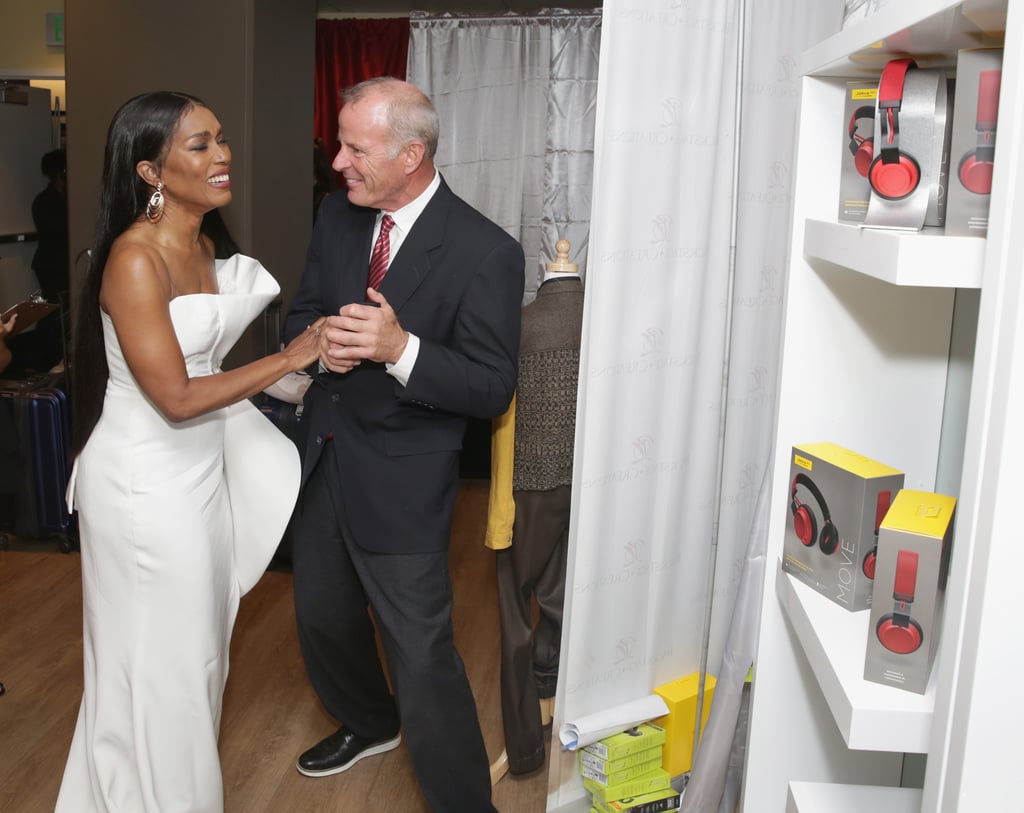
[(400, 371)]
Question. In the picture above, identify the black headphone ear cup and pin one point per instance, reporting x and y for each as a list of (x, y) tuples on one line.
[(804, 525), (975, 176), (896, 180), (829, 540), (864, 155), (861, 148), (898, 638), (868, 565)]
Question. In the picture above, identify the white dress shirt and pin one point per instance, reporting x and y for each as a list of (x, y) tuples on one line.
[(404, 219)]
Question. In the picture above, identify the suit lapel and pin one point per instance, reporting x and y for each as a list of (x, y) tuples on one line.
[(412, 263), (347, 267)]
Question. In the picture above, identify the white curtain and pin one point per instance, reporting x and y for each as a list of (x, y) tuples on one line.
[(516, 97), (693, 144), (688, 247), (649, 410)]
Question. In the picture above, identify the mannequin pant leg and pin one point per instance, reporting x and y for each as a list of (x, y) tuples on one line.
[(536, 558), (549, 593)]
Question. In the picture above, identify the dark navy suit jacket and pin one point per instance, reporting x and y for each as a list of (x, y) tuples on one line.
[(457, 283)]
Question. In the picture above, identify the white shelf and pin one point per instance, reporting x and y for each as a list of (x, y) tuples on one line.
[(870, 716), (926, 258), (818, 797), (930, 30)]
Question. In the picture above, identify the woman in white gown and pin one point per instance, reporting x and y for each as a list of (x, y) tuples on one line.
[(183, 488)]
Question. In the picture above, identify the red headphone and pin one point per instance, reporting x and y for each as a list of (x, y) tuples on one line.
[(897, 631), (881, 509), (860, 147), (976, 165), (893, 174), (805, 525)]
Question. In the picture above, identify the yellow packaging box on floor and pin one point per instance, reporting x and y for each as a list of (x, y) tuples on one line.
[(680, 696)]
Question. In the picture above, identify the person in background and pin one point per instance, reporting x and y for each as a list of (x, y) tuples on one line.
[(50, 218), (323, 178), (407, 360), (182, 487)]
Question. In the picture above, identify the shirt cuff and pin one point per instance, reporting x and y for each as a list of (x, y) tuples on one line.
[(402, 369)]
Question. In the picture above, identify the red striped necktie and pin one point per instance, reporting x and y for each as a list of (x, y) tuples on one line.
[(381, 253)]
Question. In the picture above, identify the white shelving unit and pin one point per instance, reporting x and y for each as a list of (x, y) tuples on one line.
[(869, 716), (815, 797), (870, 319), (899, 258)]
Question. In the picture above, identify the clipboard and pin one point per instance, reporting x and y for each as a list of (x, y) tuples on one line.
[(29, 312)]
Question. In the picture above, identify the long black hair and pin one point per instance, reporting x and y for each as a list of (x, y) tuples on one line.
[(140, 131)]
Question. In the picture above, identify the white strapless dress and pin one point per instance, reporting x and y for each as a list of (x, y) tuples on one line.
[(177, 521)]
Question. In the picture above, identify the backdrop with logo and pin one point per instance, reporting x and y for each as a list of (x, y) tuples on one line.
[(690, 128), (694, 143)]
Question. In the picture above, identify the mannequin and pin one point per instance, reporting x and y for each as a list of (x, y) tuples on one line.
[(528, 519)]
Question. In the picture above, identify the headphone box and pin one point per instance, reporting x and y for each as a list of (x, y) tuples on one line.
[(914, 543), (837, 500), (975, 109), (910, 149), (858, 136)]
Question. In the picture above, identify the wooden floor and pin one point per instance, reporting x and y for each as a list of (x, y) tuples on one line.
[(270, 712)]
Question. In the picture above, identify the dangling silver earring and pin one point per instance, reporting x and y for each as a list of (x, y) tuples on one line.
[(155, 207)]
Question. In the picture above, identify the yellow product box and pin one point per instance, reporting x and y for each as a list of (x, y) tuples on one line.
[(612, 765), (660, 801), (914, 546), (837, 500), (623, 774), (658, 779), (681, 698), (638, 738)]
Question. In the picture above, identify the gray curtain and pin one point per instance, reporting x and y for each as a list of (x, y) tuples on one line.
[(516, 95)]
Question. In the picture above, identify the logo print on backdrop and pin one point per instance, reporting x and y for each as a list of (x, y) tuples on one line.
[(624, 649), (769, 278), (749, 480), (777, 189), (758, 379), (767, 294), (633, 552), (788, 69), (672, 111), (778, 175), (661, 228), (643, 448), (650, 340)]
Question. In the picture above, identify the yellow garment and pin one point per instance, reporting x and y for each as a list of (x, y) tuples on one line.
[(501, 507)]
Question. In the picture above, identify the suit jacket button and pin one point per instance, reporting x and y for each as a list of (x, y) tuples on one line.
[(319, 440), (335, 398)]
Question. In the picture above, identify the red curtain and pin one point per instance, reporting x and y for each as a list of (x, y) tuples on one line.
[(349, 51)]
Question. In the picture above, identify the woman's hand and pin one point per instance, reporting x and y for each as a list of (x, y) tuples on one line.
[(7, 328), (304, 349)]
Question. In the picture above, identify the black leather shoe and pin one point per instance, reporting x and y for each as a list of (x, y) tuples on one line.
[(341, 751)]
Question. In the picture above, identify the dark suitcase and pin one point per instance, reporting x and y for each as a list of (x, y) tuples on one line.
[(36, 428), (286, 417)]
